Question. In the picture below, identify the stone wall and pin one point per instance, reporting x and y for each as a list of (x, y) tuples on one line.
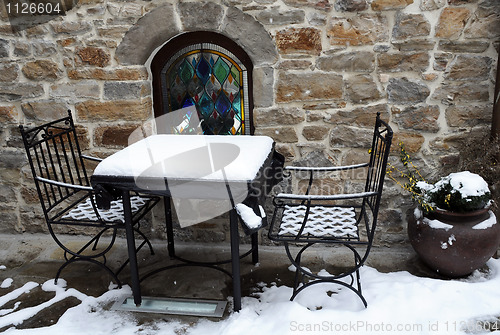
[(323, 68)]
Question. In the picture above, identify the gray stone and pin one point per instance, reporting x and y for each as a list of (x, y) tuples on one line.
[(22, 49), (259, 44), (406, 92), (414, 45), (401, 62), (461, 92), (347, 62), (428, 5), (279, 134), (44, 48), (116, 90), (18, 92), (410, 26), (13, 160), (150, 31), (278, 116), (463, 47), (71, 27), (350, 137), (274, 16), (422, 118), (362, 89), (467, 67), (4, 48), (350, 5), (200, 16), (441, 61), (78, 90), (263, 87), (44, 110), (469, 116)]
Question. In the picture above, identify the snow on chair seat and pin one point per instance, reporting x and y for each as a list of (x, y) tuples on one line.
[(85, 210), (322, 222)]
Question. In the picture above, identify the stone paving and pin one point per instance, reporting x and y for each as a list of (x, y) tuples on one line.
[(36, 258)]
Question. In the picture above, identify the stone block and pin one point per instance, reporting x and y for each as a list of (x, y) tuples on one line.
[(315, 132), (413, 45), (21, 91), (452, 22), (410, 26), (463, 47), (46, 110), (9, 71), (342, 136), (469, 116), (42, 70), (461, 92), (469, 68), (85, 89), (351, 5), (299, 40), (361, 61), (117, 90), (362, 89), (94, 56), (413, 141), (274, 16), (4, 48), (259, 44), (364, 29), (113, 136), (361, 116), (44, 48), (200, 16), (126, 73), (315, 4), (150, 31), (381, 5), (278, 116), (22, 49), (8, 114), (430, 5), (279, 134), (485, 21), (263, 86), (406, 92), (133, 110), (304, 87), (423, 118), (402, 62), (71, 27)]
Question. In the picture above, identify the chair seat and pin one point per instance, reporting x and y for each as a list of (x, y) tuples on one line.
[(323, 222), (85, 210)]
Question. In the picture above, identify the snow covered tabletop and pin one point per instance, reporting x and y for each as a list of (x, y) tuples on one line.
[(201, 157)]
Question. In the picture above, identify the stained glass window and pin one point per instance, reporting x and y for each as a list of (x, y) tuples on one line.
[(215, 81)]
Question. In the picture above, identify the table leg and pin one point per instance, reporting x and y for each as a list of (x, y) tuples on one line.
[(169, 227), (255, 247), (132, 256), (235, 259)]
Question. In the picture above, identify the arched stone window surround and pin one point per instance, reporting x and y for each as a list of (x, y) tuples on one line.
[(167, 21), (169, 52)]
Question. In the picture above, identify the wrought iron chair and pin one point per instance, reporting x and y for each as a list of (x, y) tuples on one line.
[(69, 202), (347, 220)]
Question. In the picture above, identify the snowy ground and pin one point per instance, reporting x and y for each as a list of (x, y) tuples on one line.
[(398, 303)]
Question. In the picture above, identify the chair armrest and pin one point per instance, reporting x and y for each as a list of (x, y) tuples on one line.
[(291, 196), (62, 184), (92, 158), (325, 168)]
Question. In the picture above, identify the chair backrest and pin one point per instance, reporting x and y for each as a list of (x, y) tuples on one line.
[(379, 154), (54, 154)]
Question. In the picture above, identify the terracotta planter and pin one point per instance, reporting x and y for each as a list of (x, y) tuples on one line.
[(454, 244)]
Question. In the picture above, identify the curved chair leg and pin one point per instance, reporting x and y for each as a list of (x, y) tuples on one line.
[(301, 273)]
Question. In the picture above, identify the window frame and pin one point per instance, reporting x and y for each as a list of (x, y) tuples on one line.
[(184, 40)]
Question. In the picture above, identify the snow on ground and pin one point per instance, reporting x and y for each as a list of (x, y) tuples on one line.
[(398, 303)]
